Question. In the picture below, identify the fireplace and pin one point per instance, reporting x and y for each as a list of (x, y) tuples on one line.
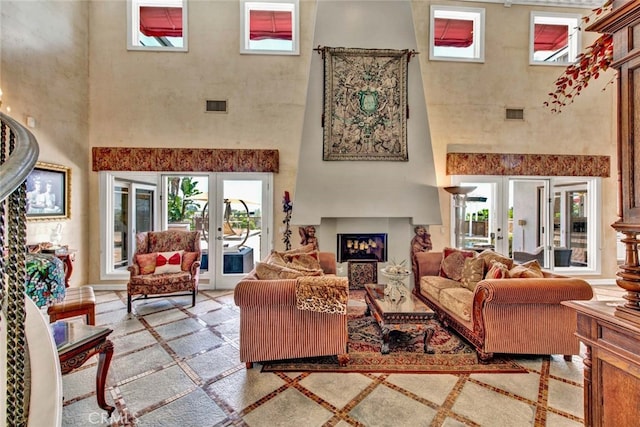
[(371, 246)]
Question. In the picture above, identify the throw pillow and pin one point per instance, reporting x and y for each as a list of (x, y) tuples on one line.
[(266, 271), (188, 258), (472, 272), (530, 269), (497, 271), (453, 261), (169, 262), (147, 262), (301, 250), (488, 255), (304, 261)]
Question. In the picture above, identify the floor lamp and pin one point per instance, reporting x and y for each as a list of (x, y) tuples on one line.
[(459, 194)]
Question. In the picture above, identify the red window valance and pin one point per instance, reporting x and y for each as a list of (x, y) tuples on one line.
[(161, 21), (270, 24), (453, 32), (550, 37)]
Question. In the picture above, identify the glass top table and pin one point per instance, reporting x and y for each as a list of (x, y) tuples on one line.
[(76, 343)]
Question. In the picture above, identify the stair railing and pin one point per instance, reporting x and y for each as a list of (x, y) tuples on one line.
[(18, 156)]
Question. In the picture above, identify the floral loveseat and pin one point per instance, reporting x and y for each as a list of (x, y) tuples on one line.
[(291, 306), (498, 306)]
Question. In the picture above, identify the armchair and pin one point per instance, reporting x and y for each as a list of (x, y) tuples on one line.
[(149, 276)]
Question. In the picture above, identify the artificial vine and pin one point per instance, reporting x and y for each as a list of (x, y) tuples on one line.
[(589, 65)]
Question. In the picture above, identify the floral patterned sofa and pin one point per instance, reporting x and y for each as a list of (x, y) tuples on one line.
[(281, 319), (498, 306), (165, 262)]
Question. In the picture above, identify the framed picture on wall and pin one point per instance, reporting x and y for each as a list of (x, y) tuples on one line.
[(48, 192)]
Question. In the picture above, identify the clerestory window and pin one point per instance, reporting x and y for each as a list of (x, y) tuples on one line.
[(457, 34)]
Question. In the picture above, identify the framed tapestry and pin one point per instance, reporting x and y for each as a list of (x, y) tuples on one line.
[(365, 104)]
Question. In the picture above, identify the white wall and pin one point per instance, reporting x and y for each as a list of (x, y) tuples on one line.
[(365, 189)]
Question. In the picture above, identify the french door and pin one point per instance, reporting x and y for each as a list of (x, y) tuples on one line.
[(552, 219), (508, 215), (240, 227), (233, 211)]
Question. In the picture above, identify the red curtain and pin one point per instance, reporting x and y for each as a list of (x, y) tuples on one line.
[(453, 32), (269, 24), (550, 37), (161, 21)]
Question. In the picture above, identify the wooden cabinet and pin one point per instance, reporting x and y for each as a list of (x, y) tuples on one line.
[(612, 365), (623, 24)]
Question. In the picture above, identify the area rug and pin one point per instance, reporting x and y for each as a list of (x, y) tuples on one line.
[(451, 353)]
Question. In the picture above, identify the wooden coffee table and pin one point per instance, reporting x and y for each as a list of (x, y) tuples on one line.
[(410, 315)]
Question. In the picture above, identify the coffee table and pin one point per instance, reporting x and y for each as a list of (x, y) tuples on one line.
[(76, 343), (409, 315)]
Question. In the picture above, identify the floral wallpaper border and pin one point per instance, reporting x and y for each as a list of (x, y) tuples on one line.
[(528, 164), (184, 159)]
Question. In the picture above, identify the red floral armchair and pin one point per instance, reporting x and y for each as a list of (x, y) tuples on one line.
[(165, 262)]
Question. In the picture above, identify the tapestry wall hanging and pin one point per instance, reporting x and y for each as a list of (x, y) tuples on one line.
[(365, 104)]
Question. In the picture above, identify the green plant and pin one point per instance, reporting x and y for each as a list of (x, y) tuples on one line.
[(180, 205)]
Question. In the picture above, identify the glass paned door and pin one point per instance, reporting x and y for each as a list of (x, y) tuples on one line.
[(240, 231), (120, 243), (131, 215)]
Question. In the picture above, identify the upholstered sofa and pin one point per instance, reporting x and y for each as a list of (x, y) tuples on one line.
[(272, 327), (508, 315)]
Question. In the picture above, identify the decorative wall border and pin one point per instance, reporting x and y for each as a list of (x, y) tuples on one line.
[(527, 164), (184, 159)]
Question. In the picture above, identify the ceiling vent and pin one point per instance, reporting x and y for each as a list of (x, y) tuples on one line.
[(515, 114), (216, 106)]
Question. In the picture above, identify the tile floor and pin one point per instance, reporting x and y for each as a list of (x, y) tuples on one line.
[(175, 365)]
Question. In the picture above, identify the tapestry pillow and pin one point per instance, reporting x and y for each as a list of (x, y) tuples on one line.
[(147, 262), (497, 270), (530, 269), (188, 258), (266, 271), (472, 272), (488, 255), (169, 262), (453, 261)]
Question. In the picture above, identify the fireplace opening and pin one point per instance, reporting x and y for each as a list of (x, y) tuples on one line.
[(362, 246)]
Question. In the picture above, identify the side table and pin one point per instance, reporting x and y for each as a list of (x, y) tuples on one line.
[(76, 343)]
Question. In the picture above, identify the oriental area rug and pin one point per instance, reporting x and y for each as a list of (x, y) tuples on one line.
[(451, 353)]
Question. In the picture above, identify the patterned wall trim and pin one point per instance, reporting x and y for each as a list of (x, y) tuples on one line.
[(184, 159), (527, 164)]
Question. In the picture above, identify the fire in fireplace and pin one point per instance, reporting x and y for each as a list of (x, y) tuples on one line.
[(362, 246)]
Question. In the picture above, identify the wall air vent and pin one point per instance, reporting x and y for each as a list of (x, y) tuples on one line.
[(216, 106), (515, 114)]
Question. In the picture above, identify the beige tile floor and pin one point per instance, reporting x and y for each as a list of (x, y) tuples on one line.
[(175, 365)]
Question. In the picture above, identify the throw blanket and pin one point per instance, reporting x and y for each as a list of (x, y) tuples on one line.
[(324, 294)]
